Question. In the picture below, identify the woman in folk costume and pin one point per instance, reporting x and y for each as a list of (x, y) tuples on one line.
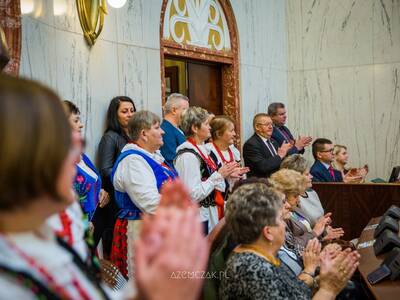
[(198, 171), (71, 224), (222, 148), (137, 176)]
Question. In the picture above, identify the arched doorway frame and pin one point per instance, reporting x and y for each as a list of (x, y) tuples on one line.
[(10, 21), (228, 59)]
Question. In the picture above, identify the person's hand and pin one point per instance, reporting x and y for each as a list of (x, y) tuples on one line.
[(350, 178), (335, 272), (227, 169), (311, 256), (239, 172), (167, 263), (302, 142), (283, 149), (332, 249), (321, 223), (333, 233), (104, 198)]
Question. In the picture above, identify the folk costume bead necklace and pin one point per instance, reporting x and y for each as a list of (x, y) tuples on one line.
[(222, 156)]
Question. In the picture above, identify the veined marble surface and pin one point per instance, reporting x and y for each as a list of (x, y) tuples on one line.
[(126, 58), (263, 57), (343, 71), (124, 61)]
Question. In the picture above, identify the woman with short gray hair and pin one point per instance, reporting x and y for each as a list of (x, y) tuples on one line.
[(138, 175), (253, 271), (198, 171)]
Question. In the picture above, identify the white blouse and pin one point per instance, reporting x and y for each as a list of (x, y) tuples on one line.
[(311, 206), (135, 177), (43, 248), (78, 228), (188, 167)]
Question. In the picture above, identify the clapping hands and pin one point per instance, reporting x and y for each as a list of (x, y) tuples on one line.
[(171, 252)]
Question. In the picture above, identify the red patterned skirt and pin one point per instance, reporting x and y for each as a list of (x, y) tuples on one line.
[(119, 250)]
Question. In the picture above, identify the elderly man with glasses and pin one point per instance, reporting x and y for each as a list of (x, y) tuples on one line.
[(262, 154), (322, 170)]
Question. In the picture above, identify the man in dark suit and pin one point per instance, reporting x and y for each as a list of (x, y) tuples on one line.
[(261, 154), (281, 133), (322, 170)]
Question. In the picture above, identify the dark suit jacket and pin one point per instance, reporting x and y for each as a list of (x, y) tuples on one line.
[(321, 174), (280, 138), (258, 157)]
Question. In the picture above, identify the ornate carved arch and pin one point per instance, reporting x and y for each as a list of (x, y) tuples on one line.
[(227, 55), (10, 21)]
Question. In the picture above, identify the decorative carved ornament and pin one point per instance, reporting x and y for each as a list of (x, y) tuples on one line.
[(10, 21), (199, 23), (204, 30)]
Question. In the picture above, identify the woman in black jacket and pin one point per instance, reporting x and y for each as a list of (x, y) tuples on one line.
[(120, 110)]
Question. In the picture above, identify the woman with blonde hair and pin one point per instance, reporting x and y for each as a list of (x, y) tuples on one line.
[(293, 184), (309, 205), (222, 148), (350, 175)]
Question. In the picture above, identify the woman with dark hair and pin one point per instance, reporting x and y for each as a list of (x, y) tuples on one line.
[(37, 169), (119, 112)]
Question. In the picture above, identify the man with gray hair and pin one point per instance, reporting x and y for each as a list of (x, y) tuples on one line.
[(281, 133), (174, 107)]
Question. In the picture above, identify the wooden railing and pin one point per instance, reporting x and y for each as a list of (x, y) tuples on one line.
[(353, 205)]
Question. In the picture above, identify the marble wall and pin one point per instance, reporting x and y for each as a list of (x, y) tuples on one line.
[(126, 58), (343, 76), (263, 56)]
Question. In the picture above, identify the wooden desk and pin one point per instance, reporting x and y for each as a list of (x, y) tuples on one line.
[(386, 289), (353, 205)]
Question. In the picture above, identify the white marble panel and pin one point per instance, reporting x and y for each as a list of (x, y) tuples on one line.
[(294, 25), (42, 12), (387, 118), (154, 101), (337, 104), (259, 87), (102, 86), (38, 51), (138, 23), (69, 21), (337, 32), (72, 70), (132, 62), (262, 32), (386, 31), (109, 32)]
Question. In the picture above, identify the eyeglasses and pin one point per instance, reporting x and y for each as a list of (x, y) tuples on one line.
[(265, 124), (329, 150)]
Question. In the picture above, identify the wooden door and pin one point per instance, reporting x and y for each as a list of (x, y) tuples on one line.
[(204, 86)]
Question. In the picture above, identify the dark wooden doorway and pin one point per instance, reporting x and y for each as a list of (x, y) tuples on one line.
[(200, 81)]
